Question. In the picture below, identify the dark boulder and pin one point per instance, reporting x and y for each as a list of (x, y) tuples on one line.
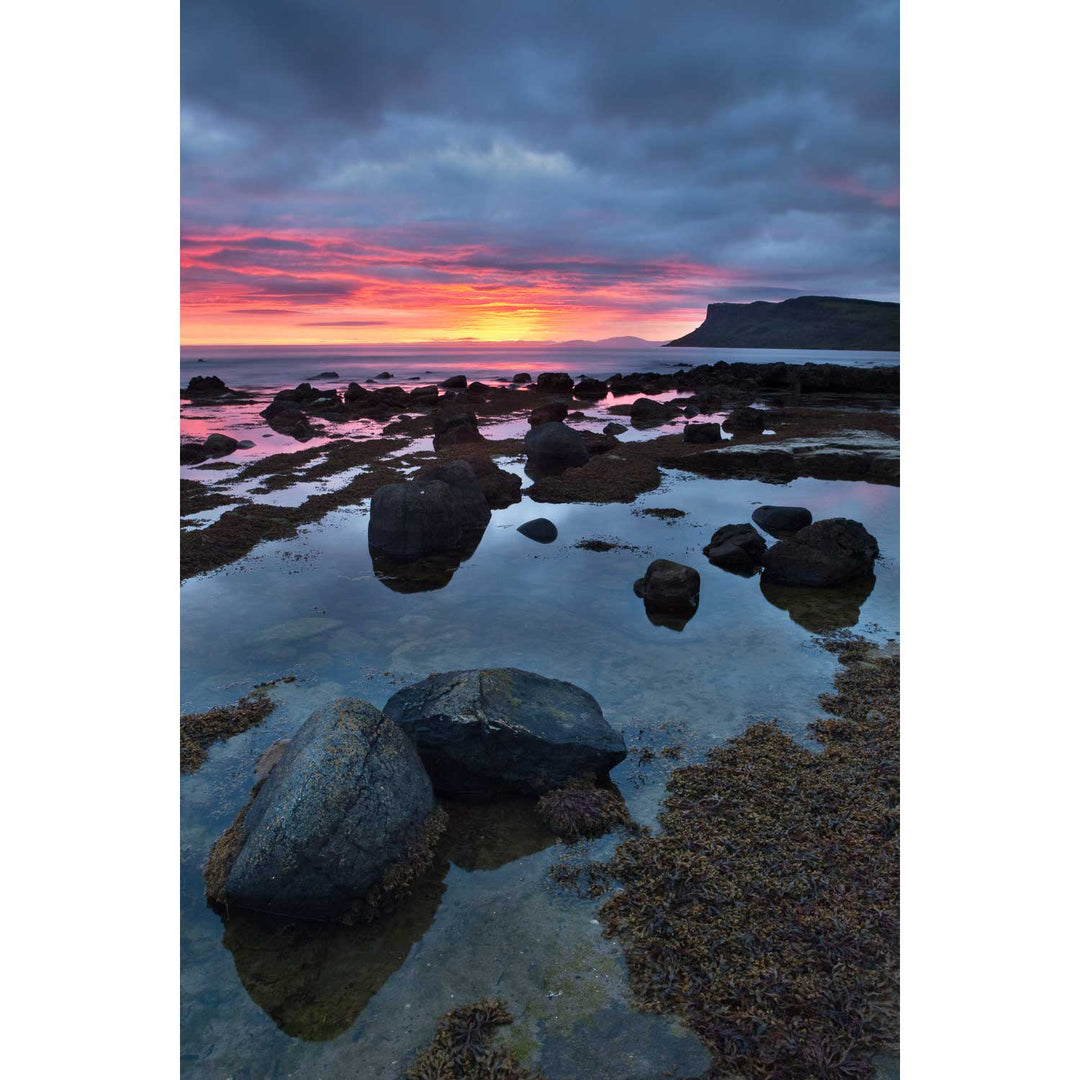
[(745, 419), (669, 587), (702, 433), (591, 389), (549, 413), (218, 445), (522, 377), (441, 510), (347, 810), (355, 392), (555, 382), (614, 428), (738, 548), (424, 395), (539, 529), (645, 412), (455, 382), (497, 732), (327, 375), (554, 446), (454, 425), (384, 375), (776, 520), (578, 415), (823, 555), (206, 386), (478, 389), (500, 488), (192, 453)]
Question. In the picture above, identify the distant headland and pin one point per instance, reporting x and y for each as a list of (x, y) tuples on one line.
[(805, 322)]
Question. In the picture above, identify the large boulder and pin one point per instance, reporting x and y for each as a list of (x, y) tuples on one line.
[(218, 445), (777, 520), (522, 377), (500, 488), (645, 412), (354, 393), (455, 382), (442, 509), (823, 555), (454, 425), (502, 731), (590, 389), (345, 815), (614, 428), (555, 382), (669, 587), (206, 386), (554, 446), (745, 419), (738, 548), (541, 530), (702, 433), (548, 413)]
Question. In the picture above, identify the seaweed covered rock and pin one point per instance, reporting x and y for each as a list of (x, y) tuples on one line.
[(441, 510), (701, 433), (494, 732), (554, 445), (781, 519), (823, 555), (500, 488), (341, 825), (454, 425), (738, 548)]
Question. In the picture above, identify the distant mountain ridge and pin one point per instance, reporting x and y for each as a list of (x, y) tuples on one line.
[(805, 322)]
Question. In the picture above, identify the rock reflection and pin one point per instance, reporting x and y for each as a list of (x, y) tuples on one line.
[(821, 610), (314, 979), (426, 573), (485, 836), (672, 620)]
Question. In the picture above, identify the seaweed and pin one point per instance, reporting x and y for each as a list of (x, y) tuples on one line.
[(580, 810), (766, 912), (199, 731), (462, 1050), (224, 851)]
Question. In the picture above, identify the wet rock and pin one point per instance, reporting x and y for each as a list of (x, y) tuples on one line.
[(424, 395), (745, 419), (738, 548), (218, 445), (702, 433), (244, 444), (327, 375), (823, 555), (645, 412), (269, 758), (478, 389), (777, 520), (554, 445), (192, 453), (206, 386), (454, 425), (347, 803), (578, 415), (384, 375), (691, 411), (614, 428), (522, 377), (549, 413), (439, 511), (355, 393), (555, 382), (541, 530), (455, 382), (495, 732), (500, 488), (591, 389), (669, 587)]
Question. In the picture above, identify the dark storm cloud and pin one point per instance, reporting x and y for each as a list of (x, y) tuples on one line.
[(759, 138)]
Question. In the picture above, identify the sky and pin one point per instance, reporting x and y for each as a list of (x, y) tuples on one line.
[(444, 170)]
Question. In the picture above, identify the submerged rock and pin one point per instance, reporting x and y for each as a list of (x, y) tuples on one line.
[(782, 519), (442, 510), (488, 733), (554, 445), (541, 530), (826, 554), (669, 587), (343, 822), (738, 548)]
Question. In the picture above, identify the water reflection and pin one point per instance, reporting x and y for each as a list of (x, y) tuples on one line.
[(489, 835), (672, 620), (426, 573), (821, 610)]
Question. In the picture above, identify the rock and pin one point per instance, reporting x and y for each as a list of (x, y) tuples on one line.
[(823, 555), (327, 375), (539, 529), (218, 445), (738, 548), (244, 444), (578, 415), (441, 510), (744, 418), (424, 395), (478, 389), (455, 382), (782, 519), (614, 429), (192, 453), (550, 413), (669, 586), (555, 382), (384, 375), (355, 392), (554, 445), (702, 433), (645, 411), (347, 804), (206, 386), (502, 731), (454, 425), (269, 758), (500, 488), (591, 388), (690, 411), (522, 377)]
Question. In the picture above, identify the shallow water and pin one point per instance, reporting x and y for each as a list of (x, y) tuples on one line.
[(266, 999)]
